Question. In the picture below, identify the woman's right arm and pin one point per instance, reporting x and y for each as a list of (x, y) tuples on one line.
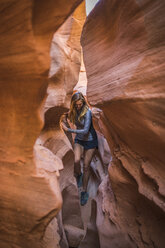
[(64, 121), (64, 125)]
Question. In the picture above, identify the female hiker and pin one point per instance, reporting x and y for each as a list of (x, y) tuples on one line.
[(85, 140)]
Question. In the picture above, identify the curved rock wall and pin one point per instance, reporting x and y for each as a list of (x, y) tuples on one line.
[(123, 45), (63, 75), (28, 202), (126, 80), (65, 64)]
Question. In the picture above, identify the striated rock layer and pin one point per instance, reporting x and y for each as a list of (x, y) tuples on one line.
[(65, 64), (64, 73), (28, 201), (126, 80), (63, 76)]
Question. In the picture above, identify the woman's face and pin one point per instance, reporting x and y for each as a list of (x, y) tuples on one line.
[(78, 104)]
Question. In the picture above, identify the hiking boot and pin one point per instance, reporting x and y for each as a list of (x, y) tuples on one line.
[(84, 198), (79, 180)]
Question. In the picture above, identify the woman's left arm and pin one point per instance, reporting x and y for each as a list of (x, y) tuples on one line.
[(85, 130)]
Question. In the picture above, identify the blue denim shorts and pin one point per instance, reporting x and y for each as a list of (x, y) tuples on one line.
[(87, 144)]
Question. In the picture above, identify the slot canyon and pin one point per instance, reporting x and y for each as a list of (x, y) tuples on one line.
[(115, 56)]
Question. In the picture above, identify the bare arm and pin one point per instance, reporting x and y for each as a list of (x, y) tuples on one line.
[(64, 120), (64, 125)]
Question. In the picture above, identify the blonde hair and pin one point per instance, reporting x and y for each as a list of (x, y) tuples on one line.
[(72, 113)]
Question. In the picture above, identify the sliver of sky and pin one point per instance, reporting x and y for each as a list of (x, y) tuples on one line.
[(90, 4)]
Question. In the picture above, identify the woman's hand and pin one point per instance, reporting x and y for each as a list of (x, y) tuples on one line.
[(64, 127)]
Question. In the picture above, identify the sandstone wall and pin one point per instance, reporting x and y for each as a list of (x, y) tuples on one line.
[(28, 202), (123, 45), (64, 71), (126, 80)]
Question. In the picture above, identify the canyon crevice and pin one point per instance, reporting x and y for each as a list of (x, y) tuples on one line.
[(121, 60)]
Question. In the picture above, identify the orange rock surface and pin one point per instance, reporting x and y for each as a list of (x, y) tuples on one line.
[(126, 80), (124, 48), (28, 202), (53, 149)]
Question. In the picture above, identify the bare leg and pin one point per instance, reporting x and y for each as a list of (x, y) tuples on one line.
[(78, 151), (87, 160)]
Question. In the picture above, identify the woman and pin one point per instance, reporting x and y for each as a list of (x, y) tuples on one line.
[(85, 141)]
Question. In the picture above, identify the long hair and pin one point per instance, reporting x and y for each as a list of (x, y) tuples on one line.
[(72, 113)]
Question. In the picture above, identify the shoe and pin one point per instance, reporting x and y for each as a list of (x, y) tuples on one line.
[(79, 180), (84, 198)]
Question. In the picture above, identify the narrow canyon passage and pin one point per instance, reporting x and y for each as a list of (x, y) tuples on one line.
[(114, 55), (54, 148), (110, 218)]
